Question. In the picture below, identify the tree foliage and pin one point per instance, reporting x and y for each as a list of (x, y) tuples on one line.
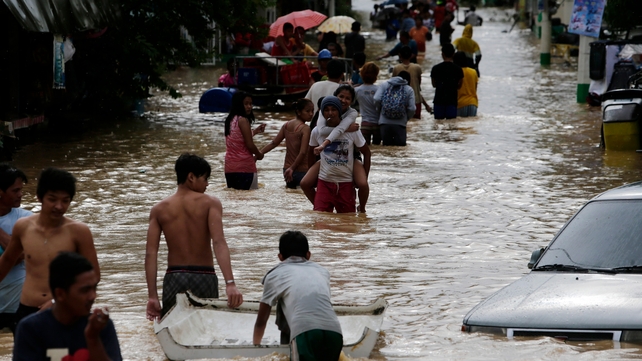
[(147, 43), (623, 15)]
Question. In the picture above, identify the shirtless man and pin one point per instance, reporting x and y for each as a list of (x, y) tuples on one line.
[(188, 219), (42, 236)]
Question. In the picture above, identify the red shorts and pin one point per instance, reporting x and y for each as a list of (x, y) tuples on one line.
[(330, 197)]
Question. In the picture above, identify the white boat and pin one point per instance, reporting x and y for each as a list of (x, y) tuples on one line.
[(198, 328)]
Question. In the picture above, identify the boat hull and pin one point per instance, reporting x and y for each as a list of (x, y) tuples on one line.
[(201, 328)]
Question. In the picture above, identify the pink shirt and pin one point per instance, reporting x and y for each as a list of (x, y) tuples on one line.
[(238, 159)]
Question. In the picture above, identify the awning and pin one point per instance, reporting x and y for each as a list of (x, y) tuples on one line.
[(63, 16)]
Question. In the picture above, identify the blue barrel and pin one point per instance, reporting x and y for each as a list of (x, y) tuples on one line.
[(216, 100)]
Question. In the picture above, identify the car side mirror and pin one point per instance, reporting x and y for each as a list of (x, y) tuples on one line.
[(535, 257)]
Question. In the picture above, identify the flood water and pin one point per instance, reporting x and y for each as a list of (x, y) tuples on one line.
[(452, 217)]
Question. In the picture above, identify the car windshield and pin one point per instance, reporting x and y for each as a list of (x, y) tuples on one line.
[(603, 235)]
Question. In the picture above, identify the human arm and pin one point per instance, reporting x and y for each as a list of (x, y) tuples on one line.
[(4, 239), (301, 157), (478, 57), (151, 263), (280, 42), (276, 141), (261, 321), (347, 119), (98, 322), (222, 252), (383, 56), (412, 106), (13, 251), (85, 245), (248, 133)]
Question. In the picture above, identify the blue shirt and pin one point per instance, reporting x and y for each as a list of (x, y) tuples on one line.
[(11, 285), (407, 24), (412, 44)]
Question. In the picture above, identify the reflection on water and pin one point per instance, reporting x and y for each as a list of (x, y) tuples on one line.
[(453, 216)]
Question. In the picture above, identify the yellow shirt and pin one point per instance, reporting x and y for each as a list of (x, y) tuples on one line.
[(467, 94)]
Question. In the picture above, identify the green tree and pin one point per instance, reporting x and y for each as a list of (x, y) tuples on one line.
[(623, 15), (147, 43)]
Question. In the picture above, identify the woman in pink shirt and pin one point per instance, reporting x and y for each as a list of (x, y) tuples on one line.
[(241, 154)]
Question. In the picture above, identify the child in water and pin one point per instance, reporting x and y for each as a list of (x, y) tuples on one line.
[(297, 136), (346, 95)]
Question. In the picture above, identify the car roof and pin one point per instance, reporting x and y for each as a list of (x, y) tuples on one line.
[(628, 191)]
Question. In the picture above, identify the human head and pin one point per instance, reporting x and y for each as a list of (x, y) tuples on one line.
[(336, 69), (472, 8), (405, 53), (300, 30), (293, 243), (404, 37), (369, 72), (331, 110), (460, 59), (240, 100), (404, 75), (334, 49), (11, 183), (358, 59), (448, 50), (356, 26), (405, 13), (419, 22), (53, 180), (324, 55), (347, 98), (376, 7), (73, 282), (230, 65), (304, 109), (190, 163), (467, 32), (288, 30)]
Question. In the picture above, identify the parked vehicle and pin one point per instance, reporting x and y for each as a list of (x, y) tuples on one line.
[(585, 285)]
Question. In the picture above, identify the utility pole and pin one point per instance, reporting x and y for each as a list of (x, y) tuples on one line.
[(545, 41), (583, 68), (331, 11)]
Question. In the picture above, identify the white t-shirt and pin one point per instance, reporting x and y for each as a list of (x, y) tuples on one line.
[(337, 159), (11, 285), (320, 89), (303, 287)]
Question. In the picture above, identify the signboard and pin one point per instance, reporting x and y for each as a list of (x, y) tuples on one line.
[(586, 18)]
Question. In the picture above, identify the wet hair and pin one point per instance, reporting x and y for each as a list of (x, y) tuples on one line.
[(287, 26), (191, 163), (356, 26), (293, 243), (460, 59), (300, 104), (238, 109), (335, 69), (359, 58), (54, 179), (347, 87), (405, 52), (64, 269), (8, 176), (404, 34), (299, 28), (404, 75), (472, 8), (369, 72), (448, 50)]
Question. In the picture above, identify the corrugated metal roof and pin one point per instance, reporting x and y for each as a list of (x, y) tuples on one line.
[(63, 16)]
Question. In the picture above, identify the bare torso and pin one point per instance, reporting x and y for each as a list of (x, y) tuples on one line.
[(41, 245), (183, 219)]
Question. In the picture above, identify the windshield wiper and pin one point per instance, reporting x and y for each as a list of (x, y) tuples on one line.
[(628, 269), (572, 268)]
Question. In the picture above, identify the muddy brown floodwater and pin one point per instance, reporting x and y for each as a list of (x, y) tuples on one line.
[(452, 217)]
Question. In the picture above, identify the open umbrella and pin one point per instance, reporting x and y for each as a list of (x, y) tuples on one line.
[(306, 18), (338, 24)]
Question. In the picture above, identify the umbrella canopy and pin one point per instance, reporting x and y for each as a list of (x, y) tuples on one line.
[(338, 24), (306, 18)]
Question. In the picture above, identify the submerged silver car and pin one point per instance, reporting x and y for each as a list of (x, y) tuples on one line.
[(585, 285)]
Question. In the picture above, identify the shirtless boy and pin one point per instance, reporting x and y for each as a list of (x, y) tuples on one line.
[(42, 236), (189, 219)]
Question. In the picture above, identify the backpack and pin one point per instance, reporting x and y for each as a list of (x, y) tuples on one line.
[(393, 102)]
